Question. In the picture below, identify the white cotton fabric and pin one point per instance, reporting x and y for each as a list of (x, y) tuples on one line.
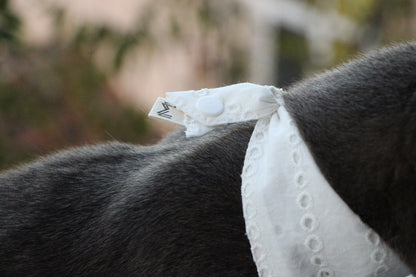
[(240, 104), (296, 224)]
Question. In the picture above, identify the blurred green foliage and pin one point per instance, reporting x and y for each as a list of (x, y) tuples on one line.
[(9, 22), (90, 37), (55, 96), (214, 16), (292, 52), (52, 98), (379, 22)]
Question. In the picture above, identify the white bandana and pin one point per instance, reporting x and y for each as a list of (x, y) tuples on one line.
[(296, 223)]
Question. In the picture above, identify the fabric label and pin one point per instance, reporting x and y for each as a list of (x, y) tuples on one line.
[(162, 109)]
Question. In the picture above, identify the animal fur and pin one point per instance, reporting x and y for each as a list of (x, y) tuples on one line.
[(174, 209)]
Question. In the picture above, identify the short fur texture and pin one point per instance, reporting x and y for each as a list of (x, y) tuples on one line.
[(174, 209)]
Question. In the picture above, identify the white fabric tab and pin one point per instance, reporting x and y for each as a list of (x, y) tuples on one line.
[(296, 223), (162, 109), (235, 103)]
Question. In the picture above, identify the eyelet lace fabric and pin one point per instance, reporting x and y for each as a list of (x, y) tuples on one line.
[(296, 224)]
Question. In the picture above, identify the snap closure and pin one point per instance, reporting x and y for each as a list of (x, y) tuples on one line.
[(210, 105)]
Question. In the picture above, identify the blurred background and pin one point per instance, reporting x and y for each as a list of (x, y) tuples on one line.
[(86, 71)]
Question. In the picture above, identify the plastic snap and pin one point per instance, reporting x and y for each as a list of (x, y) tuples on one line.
[(210, 105)]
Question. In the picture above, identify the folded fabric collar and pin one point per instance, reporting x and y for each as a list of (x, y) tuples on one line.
[(296, 223)]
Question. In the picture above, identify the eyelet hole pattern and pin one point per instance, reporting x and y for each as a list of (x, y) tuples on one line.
[(304, 200), (378, 255), (249, 170), (296, 157), (255, 152), (256, 251), (313, 243), (259, 136), (317, 260), (380, 270), (372, 237), (246, 189), (308, 222), (253, 231), (300, 180)]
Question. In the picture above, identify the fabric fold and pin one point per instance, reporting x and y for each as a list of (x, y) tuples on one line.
[(296, 223)]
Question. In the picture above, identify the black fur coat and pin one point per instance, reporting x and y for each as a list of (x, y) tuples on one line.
[(174, 209)]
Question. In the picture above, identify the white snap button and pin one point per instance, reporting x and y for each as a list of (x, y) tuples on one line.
[(210, 105)]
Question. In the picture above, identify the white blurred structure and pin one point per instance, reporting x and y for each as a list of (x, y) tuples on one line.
[(320, 28)]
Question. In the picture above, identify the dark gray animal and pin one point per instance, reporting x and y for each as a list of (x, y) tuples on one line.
[(174, 209)]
